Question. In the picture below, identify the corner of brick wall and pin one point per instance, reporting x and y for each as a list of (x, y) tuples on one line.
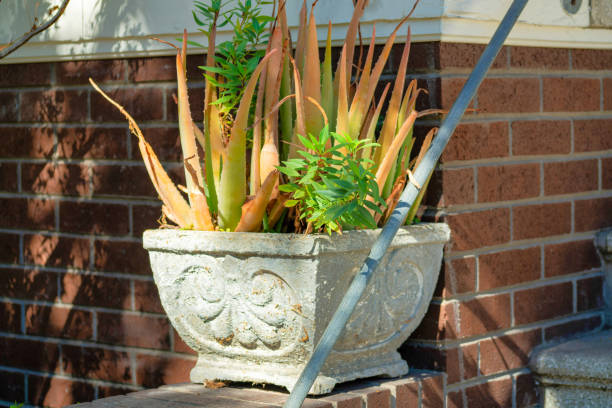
[(524, 184)]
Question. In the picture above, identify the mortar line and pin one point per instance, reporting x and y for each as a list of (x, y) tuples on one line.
[(88, 344), (535, 284), (59, 305), (75, 271)]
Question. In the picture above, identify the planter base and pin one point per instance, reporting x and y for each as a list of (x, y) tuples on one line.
[(227, 369)]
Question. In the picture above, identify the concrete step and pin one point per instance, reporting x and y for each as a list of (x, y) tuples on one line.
[(577, 373)]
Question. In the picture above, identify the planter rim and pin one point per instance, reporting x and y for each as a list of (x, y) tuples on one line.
[(286, 244)]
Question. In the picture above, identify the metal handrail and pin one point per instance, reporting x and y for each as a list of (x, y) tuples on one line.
[(360, 281)]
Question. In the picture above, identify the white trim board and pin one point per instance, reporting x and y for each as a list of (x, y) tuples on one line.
[(95, 29)]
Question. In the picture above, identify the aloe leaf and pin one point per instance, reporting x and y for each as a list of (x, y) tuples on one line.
[(232, 188)]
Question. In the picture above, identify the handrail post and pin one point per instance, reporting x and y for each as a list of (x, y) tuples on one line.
[(360, 281)]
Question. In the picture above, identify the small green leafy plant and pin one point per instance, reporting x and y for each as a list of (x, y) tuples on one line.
[(331, 186), (235, 59)]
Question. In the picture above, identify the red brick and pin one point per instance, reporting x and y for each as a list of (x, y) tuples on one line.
[(29, 213), (29, 354), (592, 135), (94, 218), (49, 178), (58, 322), (432, 392), (439, 323), (490, 394), (142, 104), (11, 317), (122, 180), (502, 95), (92, 143), (17, 75), (181, 347), (375, 396), (606, 174), (570, 94), (79, 72), (470, 360), (570, 177), (152, 69), (552, 301), (56, 392), (450, 187), (146, 297), (54, 106), (511, 182), (9, 111), (422, 56), (96, 363), (153, 371), (473, 141), (570, 257), (449, 90), (539, 58), (134, 331), (458, 55), (406, 395), (543, 220), (572, 328), (479, 229), (593, 214), (92, 290), (458, 276), (13, 384), (607, 91), (344, 400), (28, 284), (9, 248), (35, 142), (196, 104), (484, 314), (453, 366), (124, 257), (454, 399), (508, 352), (527, 394), (591, 59), (539, 137), (508, 268), (590, 293), (145, 217), (165, 142), (52, 250), (8, 177)]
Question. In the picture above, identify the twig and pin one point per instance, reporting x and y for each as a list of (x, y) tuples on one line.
[(26, 37)]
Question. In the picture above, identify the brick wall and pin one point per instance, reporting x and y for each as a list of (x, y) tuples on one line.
[(524, 184)]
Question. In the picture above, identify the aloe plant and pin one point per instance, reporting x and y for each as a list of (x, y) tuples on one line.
[(293, 96)]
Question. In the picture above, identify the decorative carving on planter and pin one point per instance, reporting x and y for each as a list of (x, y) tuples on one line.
[(232, 307), (375, 319)]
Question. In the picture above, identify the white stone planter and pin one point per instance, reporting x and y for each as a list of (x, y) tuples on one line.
[(254, 305)]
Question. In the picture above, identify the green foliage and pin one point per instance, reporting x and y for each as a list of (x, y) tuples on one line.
[(235, 59), (16, 405), (331, 185)]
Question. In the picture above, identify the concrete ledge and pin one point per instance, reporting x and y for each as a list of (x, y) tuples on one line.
[(417, 389), (576, 373)]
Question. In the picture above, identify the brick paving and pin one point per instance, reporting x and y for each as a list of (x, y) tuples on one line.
[(419, 389)]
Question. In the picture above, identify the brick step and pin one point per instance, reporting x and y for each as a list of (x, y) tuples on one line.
[(419, 389)]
